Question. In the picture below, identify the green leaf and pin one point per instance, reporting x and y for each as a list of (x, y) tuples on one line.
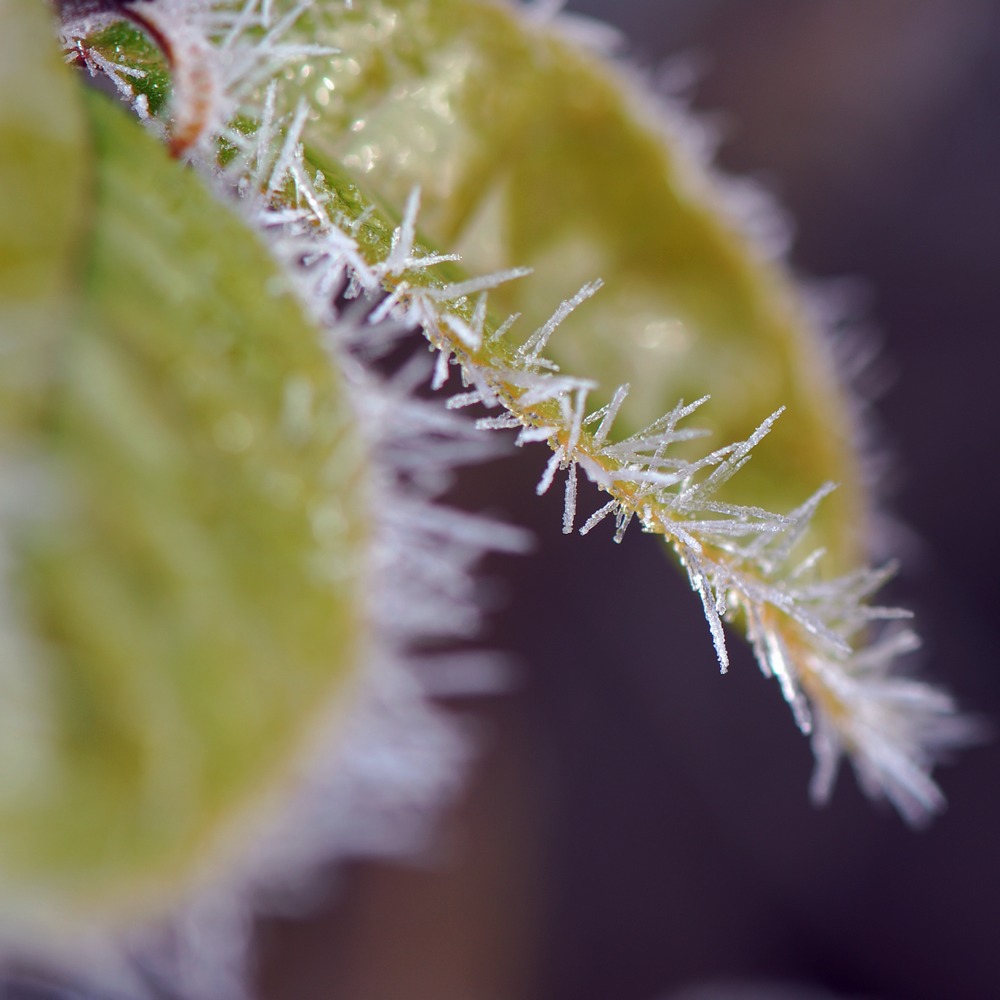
[(187, 567), (530, 151), (44, 159), (124, 43)]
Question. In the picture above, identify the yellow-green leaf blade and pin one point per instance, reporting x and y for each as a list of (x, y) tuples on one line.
[(43, 192), (190, 580), (532, 152)]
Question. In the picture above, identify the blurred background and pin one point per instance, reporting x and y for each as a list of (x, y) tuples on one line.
[(638, 827)]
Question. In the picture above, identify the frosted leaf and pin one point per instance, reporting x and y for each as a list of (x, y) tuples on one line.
[(807, 626)]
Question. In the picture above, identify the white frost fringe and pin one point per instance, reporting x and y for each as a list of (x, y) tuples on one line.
[(861, 707)]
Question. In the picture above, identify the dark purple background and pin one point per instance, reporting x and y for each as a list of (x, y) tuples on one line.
[(681, 845), (680, 842)]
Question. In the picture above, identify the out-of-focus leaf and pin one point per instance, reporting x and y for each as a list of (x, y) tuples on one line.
[(44, 159), (182, 582)]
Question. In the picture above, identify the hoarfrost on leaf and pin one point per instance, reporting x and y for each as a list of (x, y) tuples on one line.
[(235, 116)]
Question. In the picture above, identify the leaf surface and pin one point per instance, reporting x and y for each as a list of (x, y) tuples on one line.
[(530, 151), (187, 562)]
